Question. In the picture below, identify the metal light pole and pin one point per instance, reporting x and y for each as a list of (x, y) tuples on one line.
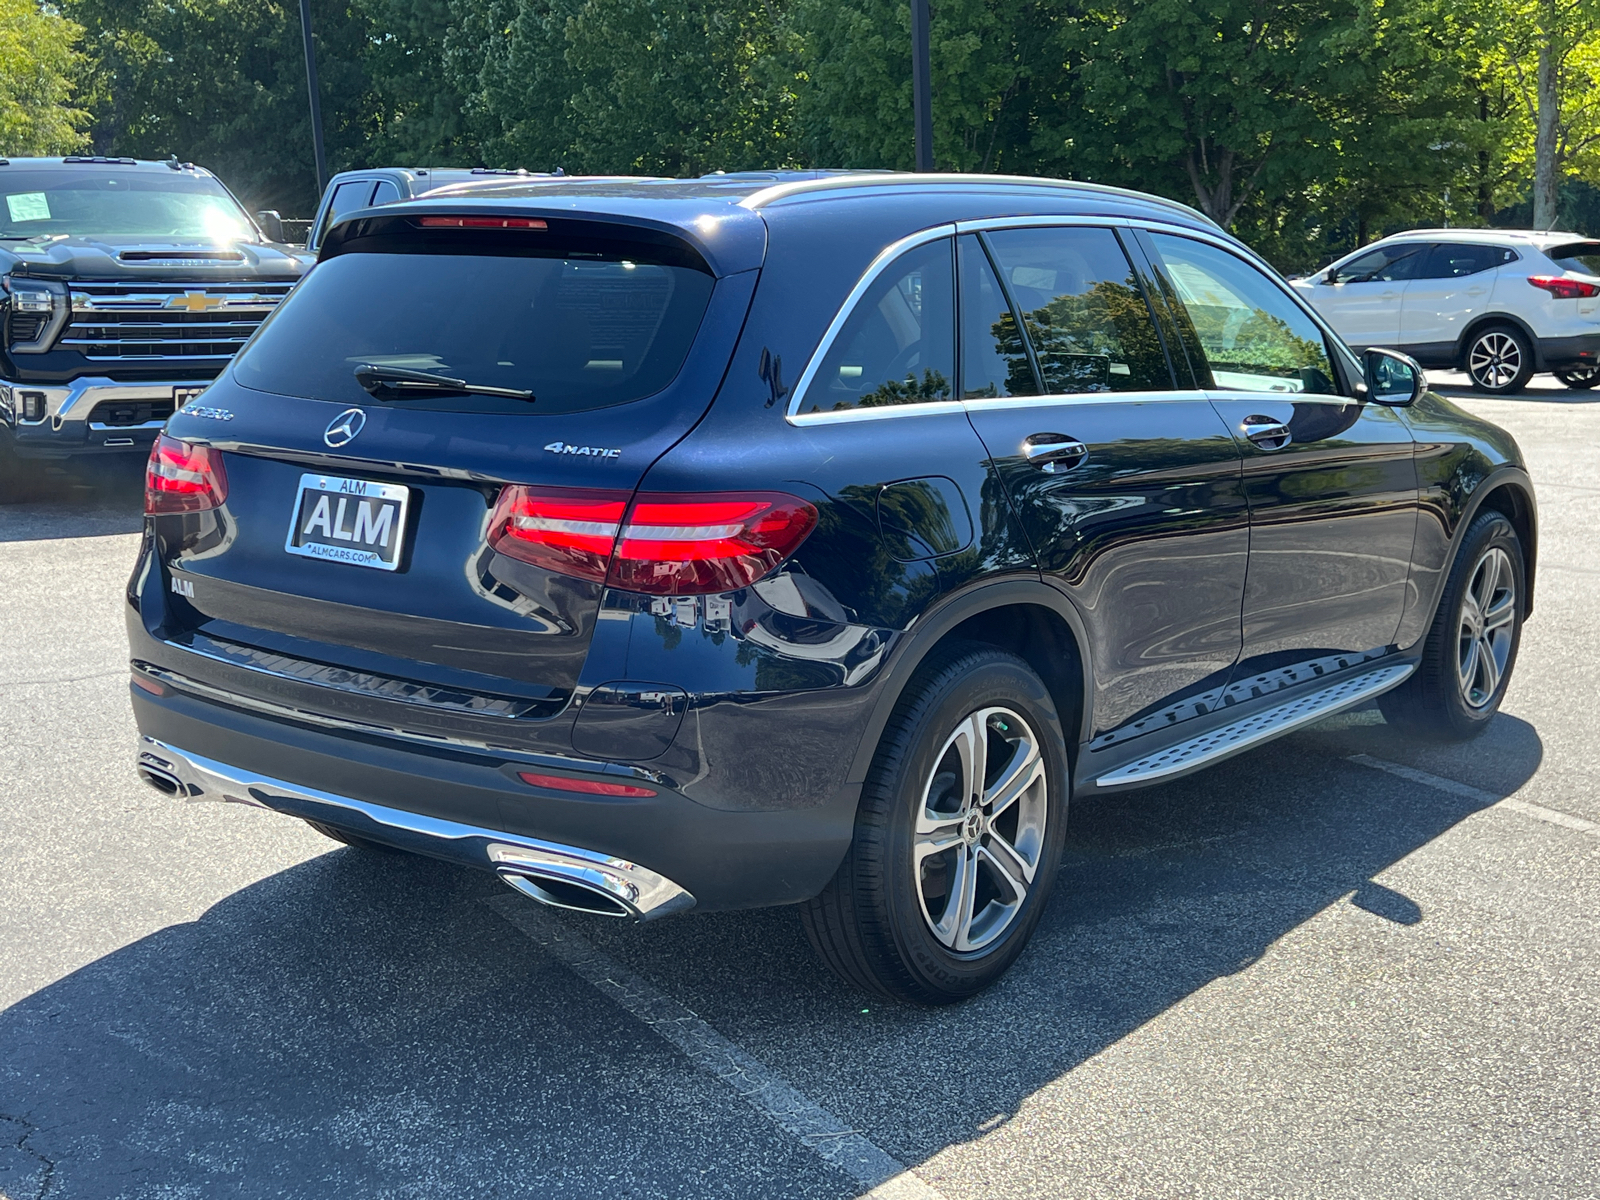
[(921, 84), (316, 99)]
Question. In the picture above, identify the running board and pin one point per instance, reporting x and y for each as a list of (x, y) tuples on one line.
[(1260, 727)]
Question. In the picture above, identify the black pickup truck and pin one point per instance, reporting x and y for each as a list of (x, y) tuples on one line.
[(125, 286)]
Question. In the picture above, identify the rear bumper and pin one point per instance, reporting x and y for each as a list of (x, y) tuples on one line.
[(68, 424), (652, 856), (1562, 353)]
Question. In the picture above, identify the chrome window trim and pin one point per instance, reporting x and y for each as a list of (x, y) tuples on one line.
[(886, 256), (1079, 399)]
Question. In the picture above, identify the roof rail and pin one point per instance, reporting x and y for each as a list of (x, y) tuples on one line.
[(783, 191), (100, 160)]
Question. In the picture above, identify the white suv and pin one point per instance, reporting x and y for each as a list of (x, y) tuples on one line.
[(1498, 304)]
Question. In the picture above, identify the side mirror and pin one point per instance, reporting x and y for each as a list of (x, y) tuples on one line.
[(1331, 276), (1393, 379), (271, 225)]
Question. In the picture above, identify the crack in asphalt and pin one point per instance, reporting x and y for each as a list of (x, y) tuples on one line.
[(28, 1130)]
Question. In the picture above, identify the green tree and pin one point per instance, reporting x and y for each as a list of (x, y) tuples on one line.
[(38, 60)]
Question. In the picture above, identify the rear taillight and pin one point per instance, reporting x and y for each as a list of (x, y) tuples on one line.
[(668, 545), (481, 223), (567, 531), (1563, 288), (690, 545), (183, 478)]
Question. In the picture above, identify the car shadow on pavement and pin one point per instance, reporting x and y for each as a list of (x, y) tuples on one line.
[(83, 500), (362, 1024)]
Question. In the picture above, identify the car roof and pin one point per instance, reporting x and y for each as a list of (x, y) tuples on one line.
[(146, 165), (1537, 237), (721, 214)]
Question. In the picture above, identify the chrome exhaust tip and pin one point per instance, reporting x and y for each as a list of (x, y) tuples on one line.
[(162, 780), (566, 893)]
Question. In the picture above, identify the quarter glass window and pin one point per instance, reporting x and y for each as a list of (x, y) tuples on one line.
[(1254, 337), (1386, 264), (386, 193), (994, 362), (1458, 260), (898, 344), (1083, 310)]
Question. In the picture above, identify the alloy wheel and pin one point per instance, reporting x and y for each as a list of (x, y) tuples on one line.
[(1495, 360), (980, 829), (1488, 621)]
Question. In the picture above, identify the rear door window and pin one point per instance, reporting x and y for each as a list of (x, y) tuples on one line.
[(1255, 338), (1457, 260), (579, 333), (1083, 310), (898, 344), (994, 361)]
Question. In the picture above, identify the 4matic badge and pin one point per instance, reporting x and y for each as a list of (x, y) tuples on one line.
[(586, 451)]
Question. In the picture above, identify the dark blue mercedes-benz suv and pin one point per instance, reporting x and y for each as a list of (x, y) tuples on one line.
[(799, 539)]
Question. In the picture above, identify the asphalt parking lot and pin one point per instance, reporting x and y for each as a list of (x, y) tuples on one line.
[(1341, 965)]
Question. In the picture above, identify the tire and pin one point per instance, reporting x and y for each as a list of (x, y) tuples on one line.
[(1499, 359), (353, 840), (891, 920), (1469, 653), (1580, 378)]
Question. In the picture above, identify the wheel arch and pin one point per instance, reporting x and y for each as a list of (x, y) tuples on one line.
[(1479, 323), (1027, 618), (1512, 497)]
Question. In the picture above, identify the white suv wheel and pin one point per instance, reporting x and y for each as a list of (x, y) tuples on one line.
[(1499, 359)]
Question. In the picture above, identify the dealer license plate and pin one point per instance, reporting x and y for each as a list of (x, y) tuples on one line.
[(349, 521)]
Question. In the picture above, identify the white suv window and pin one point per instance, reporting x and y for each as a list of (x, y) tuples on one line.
[(1454, 260), (1385, 264)]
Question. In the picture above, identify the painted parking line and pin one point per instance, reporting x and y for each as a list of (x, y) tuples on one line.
[(768, 1093), (1537, 811)]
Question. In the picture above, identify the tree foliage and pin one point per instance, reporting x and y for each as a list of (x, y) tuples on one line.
[(1305, 125), (38, 61)]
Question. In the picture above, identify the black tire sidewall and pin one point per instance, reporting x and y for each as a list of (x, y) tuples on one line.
[(1463, 721), (999, 679), (1520, 380)]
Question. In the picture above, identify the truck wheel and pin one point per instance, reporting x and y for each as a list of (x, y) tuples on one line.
[(1469, 653), (958, 835), (1499, 359)]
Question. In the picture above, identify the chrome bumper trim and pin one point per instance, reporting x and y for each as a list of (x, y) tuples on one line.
[(637, 891)]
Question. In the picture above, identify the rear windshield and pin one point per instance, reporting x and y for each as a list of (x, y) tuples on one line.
[(1578, 256), (578, 333), (84, 199)]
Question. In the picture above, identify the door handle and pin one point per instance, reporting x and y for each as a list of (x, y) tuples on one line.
[(1053, 452), (1265, 432), (1476, 291)]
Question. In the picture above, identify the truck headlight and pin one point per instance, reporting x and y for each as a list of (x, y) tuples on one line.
[(38, 310)]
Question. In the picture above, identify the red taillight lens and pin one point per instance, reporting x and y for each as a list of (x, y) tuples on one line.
[(570, 532), (481, 223), (1563, 288), (592, 787), (183, 478), (669, 545), (687, 545)]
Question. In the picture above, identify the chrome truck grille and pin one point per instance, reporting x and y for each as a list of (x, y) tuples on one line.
[(195, 322)]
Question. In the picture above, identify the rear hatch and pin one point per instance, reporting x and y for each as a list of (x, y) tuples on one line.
[(368, 432)]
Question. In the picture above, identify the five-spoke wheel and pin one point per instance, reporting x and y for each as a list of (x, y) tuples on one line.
[(980, 829), (958, 834), (1488, 620)]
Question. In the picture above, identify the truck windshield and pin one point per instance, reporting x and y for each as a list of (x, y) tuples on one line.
[(578, 333), (97, 201)]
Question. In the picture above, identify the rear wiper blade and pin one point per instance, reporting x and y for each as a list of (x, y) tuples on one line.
[(376, 379)]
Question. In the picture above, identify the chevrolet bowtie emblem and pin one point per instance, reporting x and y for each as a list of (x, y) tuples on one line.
[(195, 302)]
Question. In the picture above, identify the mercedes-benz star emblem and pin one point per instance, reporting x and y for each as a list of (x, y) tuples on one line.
[(342, 429)]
